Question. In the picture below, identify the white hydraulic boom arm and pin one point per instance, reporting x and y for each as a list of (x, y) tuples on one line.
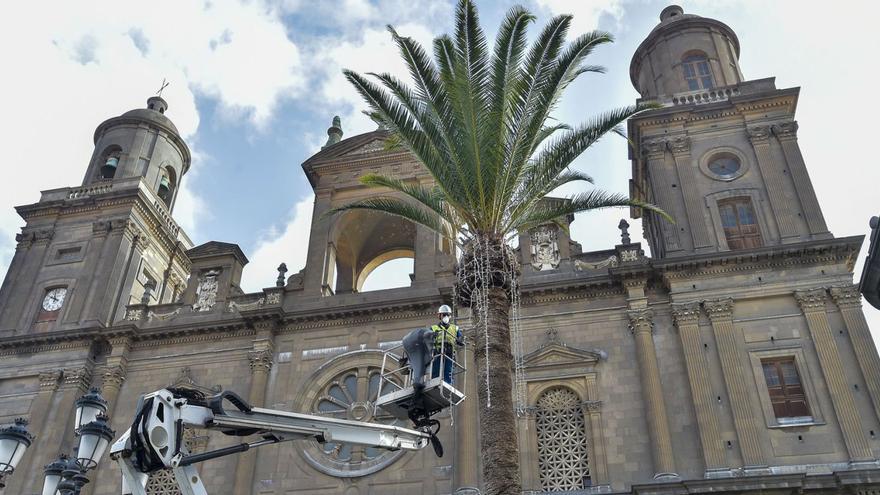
[(155, 439)]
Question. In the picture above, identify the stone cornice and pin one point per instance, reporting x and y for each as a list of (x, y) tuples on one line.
[(802, 253)]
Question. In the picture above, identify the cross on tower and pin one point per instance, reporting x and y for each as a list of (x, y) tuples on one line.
[(164, 85)]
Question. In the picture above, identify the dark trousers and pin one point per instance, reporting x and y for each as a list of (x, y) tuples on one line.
[(447, 368)]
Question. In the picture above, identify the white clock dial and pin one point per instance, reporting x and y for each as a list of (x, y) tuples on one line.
[(54, 299)]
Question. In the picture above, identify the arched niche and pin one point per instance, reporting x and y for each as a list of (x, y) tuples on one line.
[(360, 241)]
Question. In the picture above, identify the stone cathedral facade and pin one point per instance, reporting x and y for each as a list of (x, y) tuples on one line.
[(734, 359)]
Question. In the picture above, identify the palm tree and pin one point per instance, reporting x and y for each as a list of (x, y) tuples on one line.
[(479, 119)]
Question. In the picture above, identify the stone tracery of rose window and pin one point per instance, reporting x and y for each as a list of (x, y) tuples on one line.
[(562, 441)]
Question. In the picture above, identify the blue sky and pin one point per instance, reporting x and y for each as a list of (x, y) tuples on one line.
[(255, 84)]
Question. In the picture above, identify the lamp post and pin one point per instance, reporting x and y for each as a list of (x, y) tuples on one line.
[(14, 440), (88, 407), (67, 475)]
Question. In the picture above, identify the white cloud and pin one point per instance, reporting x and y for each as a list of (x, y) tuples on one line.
[(586, 13), (70, 66), (288, 245), (374, 51)]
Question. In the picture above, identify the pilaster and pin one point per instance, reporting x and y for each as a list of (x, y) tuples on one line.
[(261, 359), (655, 155), (681, 152), (598, 466), (759, 135), (30, 469), (687, 319), (849, 300), (721, 314), (812, 303), (658, 424), (786, 133)]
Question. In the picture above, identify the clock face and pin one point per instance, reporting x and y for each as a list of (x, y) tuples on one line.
[(54, 299), (725, 166)]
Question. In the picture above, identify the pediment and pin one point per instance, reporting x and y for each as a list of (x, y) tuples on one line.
[(370, 147), (560, 355)]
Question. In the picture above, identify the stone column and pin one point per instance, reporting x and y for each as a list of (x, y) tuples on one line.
[(812, 303), (849, 301), (593, 417), (467, 460), (693, 203), (721, 314), (687, 318), (29, 474), (759, 135), (655, 154), (262, 357), (652, 391), (787, 135)]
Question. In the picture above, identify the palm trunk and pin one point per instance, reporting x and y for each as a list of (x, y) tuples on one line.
[(498, 443)]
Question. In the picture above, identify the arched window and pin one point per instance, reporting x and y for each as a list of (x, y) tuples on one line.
[(562, 441), (109, 162), (697, 73), (167, 183)]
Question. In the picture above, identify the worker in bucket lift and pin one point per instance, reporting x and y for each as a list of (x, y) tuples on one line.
[(447, 336)]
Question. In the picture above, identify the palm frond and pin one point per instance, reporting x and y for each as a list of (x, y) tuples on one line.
[(402, 209), (591, 201)]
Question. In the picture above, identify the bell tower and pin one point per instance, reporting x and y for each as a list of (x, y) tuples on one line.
[(721, 154), (87, 251)]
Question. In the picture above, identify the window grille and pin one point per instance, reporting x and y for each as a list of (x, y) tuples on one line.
[(562, 441)]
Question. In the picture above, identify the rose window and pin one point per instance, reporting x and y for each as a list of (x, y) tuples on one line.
[(562, 441), (349, 392)]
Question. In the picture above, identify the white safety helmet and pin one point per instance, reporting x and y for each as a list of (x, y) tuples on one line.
[(444, 310)]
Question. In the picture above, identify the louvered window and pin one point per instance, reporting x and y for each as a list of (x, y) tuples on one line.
[(786, 391), (740, 224)]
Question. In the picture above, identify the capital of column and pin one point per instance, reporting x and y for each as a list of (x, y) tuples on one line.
[(43, 236), (261, 360), (589, 406), (100, 228), (812, 300), (50, 380), (686, 313), (640, 320), (680, 145), (654, 148), (758, 134), (76, 378), (786, 130), (120, 346), (528, 412), (719, 309), (847, 296), (113, 376)]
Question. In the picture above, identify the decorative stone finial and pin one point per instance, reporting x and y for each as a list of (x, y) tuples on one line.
[(282, 269), (334, 133), (149, 287), (624, 231), (671, 12)]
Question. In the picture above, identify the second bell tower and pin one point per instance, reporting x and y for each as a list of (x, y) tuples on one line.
[(721, 155)]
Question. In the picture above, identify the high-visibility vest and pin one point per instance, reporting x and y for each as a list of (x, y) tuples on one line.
[(450, 334)]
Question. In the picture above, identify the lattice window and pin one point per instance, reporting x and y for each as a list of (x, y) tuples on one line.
[(162, 482), (562, 441)]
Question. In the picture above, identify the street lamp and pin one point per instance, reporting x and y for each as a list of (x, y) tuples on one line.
[(94, 438), (88, 407), (52, 473), (14, 440)]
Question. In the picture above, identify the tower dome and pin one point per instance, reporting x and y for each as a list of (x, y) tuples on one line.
[(685, 52), (141, 143)]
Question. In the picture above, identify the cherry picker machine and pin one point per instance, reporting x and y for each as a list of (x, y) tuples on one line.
[(155, 439)]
